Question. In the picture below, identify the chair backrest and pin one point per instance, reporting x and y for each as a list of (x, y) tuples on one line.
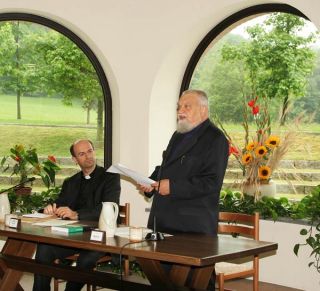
[(239, 224), (124, 214)]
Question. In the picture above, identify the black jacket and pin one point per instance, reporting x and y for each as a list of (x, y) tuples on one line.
[(106, 187), (196, 171)]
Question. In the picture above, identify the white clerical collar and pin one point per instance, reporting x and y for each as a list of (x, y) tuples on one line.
[(87, 177)]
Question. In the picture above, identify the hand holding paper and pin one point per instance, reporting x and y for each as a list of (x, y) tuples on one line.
[(122, 170)]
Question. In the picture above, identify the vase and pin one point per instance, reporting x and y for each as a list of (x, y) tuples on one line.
[(4, 206), (261, 189)]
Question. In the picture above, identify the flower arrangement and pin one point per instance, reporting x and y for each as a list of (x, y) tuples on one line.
[(262, 151), (26, 162)]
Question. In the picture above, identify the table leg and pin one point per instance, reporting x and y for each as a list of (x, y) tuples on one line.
[(201, 277), (179, 274), (10, 279), (155, 274)]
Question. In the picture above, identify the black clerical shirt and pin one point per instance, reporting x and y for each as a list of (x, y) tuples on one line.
[(87, 187)]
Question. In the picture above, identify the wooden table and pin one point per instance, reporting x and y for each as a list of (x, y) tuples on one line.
[(185, 251)]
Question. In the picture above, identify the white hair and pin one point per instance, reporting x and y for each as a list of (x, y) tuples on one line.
[(203, 98)]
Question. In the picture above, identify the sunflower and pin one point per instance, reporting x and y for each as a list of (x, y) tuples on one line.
[(261, 151), (272, 141), (264, 172), (246, 158), (251, 145)]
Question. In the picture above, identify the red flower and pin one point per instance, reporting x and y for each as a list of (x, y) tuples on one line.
[(255, 110), (18, 159), (252, 102), (52, 159), (233, 150)]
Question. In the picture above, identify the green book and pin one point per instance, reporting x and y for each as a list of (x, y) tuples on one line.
[(66, 229)]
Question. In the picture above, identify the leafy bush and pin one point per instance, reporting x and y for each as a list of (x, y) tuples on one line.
[(310, 207), (268, 207), (34, 202)]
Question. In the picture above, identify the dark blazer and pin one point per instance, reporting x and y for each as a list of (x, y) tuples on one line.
[(196, 171), (106, 187)]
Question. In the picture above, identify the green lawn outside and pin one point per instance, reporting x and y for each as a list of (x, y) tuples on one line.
[(58, 134), (43, 110), (46, 124), (48, 140)]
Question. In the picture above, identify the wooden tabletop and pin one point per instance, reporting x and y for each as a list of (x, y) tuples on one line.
[(187, 249)]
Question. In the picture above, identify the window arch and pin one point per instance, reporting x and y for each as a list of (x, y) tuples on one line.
[(212, 34), (94, 61)]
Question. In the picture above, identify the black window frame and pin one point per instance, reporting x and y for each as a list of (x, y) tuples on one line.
[(94, 61)]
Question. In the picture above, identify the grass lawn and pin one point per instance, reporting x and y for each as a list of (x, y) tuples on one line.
[(51, 139), (47, 140), (46, 124), (43, 110)]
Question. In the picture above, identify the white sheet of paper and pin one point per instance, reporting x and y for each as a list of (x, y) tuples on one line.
[(123, 170), (36, 215), (54, 222)]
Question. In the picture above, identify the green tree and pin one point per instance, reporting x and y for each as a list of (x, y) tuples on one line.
[(67, 71), (222, 81), (310, 103), (277, 59), (17, 60)]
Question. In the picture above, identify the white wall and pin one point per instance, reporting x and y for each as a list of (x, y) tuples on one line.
[(144, 47), (285, 268)]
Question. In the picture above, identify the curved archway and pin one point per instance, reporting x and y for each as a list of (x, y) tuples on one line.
[(94, 61)]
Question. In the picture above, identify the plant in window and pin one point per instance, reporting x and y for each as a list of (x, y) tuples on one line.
[(262, 151), (26, 162), (310, 206)]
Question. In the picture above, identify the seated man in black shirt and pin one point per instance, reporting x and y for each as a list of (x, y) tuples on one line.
[(81, 198)]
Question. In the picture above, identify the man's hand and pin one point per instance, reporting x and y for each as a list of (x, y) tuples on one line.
[(66, 212), (50, 209), (145, 188), (164, 187)]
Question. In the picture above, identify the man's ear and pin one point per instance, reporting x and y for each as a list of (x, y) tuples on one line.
[(204, 112), (75, 160)]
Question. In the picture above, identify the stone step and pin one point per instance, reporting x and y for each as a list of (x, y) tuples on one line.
[(282, 174), (7, 180), (288, 187), (284, 164)]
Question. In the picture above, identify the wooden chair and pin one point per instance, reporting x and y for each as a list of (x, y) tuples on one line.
[(124, 217), (243, 225)]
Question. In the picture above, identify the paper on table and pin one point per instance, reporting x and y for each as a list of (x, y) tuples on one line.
[(55, 222), (123, 170), (36, 215)]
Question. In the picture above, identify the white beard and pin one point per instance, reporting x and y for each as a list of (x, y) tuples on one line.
[(184, 126)]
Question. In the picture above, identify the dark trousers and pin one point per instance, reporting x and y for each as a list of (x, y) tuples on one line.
[(49, 253)]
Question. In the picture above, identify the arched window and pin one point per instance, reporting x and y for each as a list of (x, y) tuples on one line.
[(220, 67), (39, 99)]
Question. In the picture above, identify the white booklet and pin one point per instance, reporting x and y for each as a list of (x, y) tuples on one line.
[(55, 222), (123, 170), (36, 215)]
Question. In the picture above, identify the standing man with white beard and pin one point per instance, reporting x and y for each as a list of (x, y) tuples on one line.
[(186, 194)]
